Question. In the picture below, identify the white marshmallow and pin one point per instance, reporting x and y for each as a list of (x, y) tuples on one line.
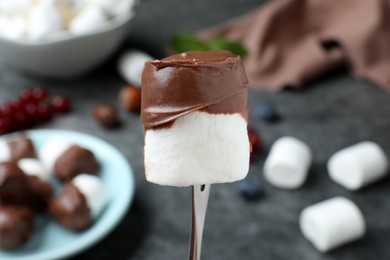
[(114, 7), (88, 20), (34, 167), (5, 151), (44, 20), (93, 190), (13, 28), (199, 148), (288, 163), (332, 223), (51, 150), (131, 64), (14, 7), (359, 165)]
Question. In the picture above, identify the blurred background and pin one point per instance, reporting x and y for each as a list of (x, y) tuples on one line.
[(328, 112)]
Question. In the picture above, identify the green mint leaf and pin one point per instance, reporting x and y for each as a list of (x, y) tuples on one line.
[(225, 44), (183, 42)]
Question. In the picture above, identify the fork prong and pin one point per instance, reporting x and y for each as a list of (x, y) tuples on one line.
[(200, 196)]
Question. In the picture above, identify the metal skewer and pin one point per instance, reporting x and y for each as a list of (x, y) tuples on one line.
[(200, 198)]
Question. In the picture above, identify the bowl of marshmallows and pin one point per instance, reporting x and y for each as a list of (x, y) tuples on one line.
[(61, 38)]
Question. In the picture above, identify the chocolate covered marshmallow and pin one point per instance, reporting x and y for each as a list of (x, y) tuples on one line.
[(79, 203), (67, 159), (195, 115)]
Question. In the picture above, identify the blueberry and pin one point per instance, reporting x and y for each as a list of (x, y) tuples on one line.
[(249, 188), (268, 113)]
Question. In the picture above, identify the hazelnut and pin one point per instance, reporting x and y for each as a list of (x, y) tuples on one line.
[(106, 115), (130, 98)]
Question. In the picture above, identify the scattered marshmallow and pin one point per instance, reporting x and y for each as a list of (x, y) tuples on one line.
[(93, 190), (359, 165), (288, 163), (34, 167), (13, 27), (14, 7), (131, 64), (44, 20), (88, 20), (332, 223), (51, 150), (199, 148), (5, 151), (114, 8)]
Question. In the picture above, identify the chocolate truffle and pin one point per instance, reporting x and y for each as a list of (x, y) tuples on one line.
[(16, 226)]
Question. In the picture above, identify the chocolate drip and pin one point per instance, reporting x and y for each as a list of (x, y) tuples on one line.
[(214, 82)]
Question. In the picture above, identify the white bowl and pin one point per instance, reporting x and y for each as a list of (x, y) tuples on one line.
[(65, 56)]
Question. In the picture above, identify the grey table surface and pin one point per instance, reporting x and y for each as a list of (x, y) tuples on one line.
[(329, 114)]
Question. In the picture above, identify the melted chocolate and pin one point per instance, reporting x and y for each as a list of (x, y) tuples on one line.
[(21, 147), (70, 209), (16, 226), (74, 161), (213, 82)]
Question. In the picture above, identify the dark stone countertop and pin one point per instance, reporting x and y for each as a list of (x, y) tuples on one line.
[(329, 114)]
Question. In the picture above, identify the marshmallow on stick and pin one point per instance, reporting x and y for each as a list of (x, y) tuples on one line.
[(195, 113)]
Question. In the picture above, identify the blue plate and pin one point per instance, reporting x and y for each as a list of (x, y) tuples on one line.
[(50, 240)]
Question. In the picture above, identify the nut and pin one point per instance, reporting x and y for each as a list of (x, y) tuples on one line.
[(130, 98), (106, 115)]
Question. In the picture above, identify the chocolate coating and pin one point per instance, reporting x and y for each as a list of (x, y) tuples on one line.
[(16, 226), (14, 186), (21, 147), (74, 161), (213, 82), (41, 193), (70, 209)]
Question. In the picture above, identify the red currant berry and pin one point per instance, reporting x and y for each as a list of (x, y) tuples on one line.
[(44, 112), (21, 120), (26, 95), (254, 139), (6, 108), (39, 94), (6, 125), (61, 104), (31, 112), (16, 106)]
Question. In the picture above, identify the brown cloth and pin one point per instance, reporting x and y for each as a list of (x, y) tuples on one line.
[(291, 42)]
